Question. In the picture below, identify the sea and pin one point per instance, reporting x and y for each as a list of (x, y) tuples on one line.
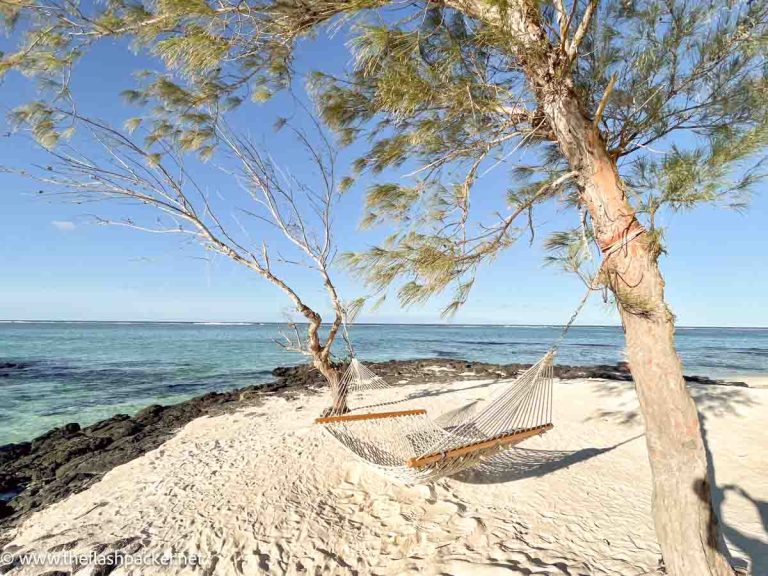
[(53, 373)]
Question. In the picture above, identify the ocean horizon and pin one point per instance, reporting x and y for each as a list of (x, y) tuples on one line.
[(283, 323), (53, 372)]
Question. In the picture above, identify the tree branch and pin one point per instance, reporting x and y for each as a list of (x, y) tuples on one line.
[(582, 29)]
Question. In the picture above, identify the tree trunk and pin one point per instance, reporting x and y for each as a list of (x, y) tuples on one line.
[(321, 359), (339, 392), (685, 521), (686, 524)]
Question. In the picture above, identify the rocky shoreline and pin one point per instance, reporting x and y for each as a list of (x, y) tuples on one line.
[(69, 459)]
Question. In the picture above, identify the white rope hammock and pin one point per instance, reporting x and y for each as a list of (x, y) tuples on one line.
[(409, 446)]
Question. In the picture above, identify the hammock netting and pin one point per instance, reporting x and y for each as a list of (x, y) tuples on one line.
[(402, 440)]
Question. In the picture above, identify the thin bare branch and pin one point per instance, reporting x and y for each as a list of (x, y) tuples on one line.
[(582, 29)]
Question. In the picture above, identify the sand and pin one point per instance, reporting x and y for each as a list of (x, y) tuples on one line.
[(753, 381), (264, 491)]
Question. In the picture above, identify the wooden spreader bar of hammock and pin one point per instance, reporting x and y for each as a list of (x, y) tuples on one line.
[(513, 438), (371, 416)]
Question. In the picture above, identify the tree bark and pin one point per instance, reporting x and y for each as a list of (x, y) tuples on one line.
[(321, 358), (686, 524), (339, 393)]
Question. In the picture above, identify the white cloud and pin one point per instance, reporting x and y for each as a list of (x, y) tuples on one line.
[(63, 225)]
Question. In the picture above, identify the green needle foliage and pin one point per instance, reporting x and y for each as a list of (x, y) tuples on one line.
[(678, 90)]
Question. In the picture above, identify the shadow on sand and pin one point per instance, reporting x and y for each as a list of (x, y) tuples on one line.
[(442, 390), (434, 392), (710, 400), (519, 463), (751, 546)]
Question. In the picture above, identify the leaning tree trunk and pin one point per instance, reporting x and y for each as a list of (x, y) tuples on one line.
[(321, 360), (685, 521), (338, 390)]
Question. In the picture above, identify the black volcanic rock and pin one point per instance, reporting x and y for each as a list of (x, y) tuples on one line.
[(416, 371), (11, 452), (5, 510), (6, 368)]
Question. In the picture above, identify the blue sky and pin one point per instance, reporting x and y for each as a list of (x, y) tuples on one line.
[(58, 265)]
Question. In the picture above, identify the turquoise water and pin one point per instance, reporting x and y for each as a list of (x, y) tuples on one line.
[(84, 372)]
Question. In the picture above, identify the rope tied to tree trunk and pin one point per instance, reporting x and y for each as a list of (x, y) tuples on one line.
[(345, 334), (622, 239), (571, 320), (616, 243)]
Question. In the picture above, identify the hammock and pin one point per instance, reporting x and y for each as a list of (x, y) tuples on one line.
[(408, 446)]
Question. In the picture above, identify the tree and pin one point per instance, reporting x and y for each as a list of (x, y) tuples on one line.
[(624, 108), (117, 167)]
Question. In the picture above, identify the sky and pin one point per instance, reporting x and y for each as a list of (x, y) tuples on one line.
[(57, 264)]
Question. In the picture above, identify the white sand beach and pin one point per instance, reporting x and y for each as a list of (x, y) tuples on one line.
[(753, 381), (265, 491)]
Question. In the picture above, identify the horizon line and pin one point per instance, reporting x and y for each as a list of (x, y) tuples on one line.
[(233, 323)]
